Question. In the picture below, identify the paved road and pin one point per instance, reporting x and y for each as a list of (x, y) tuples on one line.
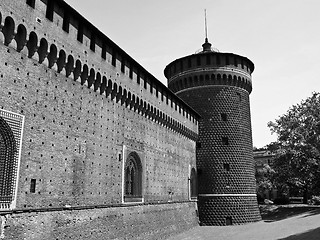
[(304, 226)]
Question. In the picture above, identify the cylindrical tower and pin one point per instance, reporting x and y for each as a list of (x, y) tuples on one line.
[(217, 85)]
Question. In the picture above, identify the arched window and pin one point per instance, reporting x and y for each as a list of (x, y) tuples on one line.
[(8, 163), (133, 179), (193, 184)]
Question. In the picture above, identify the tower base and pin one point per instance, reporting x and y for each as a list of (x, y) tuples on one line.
[(228, 210)]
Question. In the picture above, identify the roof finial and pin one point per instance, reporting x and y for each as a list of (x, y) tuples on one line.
[(206, 46), (205, 24)]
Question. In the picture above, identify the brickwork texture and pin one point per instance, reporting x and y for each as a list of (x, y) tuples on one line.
[(87, 105), (218, 85)]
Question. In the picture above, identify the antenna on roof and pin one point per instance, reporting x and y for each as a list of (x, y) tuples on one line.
[(205, 24)]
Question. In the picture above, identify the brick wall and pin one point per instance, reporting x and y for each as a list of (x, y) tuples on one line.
[(78, 131)]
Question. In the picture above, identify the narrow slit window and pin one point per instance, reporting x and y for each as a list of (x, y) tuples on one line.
[(226, 166), (224, 117), (104, 51), (225, 140), (93, 42), (138, 77), (80, 32), (113, 60), (123, 65), (131, 72), (49, 11), (228, 221), (33, 186), (66, 22)]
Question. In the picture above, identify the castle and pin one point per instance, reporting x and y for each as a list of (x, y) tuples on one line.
[(92, 146)]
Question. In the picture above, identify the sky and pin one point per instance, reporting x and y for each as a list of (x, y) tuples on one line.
[(281, 37)]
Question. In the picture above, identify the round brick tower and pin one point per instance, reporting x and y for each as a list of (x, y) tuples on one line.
[(217, 85)]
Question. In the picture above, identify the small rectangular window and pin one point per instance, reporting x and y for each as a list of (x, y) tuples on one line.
[(50, 9), (114, 58), (104, 51), (31, 3), (151, 87), (145, 83), (228, 221), (93, 42), (239, 97), (226, 166), (66, 22), (224, 117), (80, 32), (131, 71), (123, 65), (33, 186), (138, 77), (225, 140)]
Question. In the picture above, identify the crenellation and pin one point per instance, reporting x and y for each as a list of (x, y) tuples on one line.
[(32, 46)]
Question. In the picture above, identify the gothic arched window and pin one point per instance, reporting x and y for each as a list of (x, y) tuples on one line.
[(193, 184), (133, 179), (8, 163)]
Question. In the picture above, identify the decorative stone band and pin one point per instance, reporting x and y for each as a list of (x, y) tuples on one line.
[(204, 86), (228, 195), (220, 70)]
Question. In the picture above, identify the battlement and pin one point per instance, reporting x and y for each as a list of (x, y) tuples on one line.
[(50, 31), (209, 68)]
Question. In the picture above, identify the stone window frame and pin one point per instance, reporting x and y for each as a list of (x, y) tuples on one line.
[(193, 188), (15, 123), (132, 187)]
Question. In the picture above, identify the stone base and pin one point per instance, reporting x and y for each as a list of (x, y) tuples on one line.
[(154, 221), (228, 210)]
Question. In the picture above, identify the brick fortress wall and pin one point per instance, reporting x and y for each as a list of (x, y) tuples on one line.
[(87, 106)]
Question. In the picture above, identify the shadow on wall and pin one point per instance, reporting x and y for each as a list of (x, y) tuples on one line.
[(309, 235)]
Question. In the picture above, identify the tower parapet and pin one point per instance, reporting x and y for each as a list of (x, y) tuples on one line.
[(217, 85)]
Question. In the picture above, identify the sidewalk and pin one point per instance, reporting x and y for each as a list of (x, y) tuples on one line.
[(285, 223)]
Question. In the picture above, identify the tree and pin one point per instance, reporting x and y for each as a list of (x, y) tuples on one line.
[(264, 179), (297, 164)]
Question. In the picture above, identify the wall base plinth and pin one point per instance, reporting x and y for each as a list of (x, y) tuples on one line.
[(228, 210)]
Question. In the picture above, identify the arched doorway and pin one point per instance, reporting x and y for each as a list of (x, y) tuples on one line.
[(133, 178), (193, 184)]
